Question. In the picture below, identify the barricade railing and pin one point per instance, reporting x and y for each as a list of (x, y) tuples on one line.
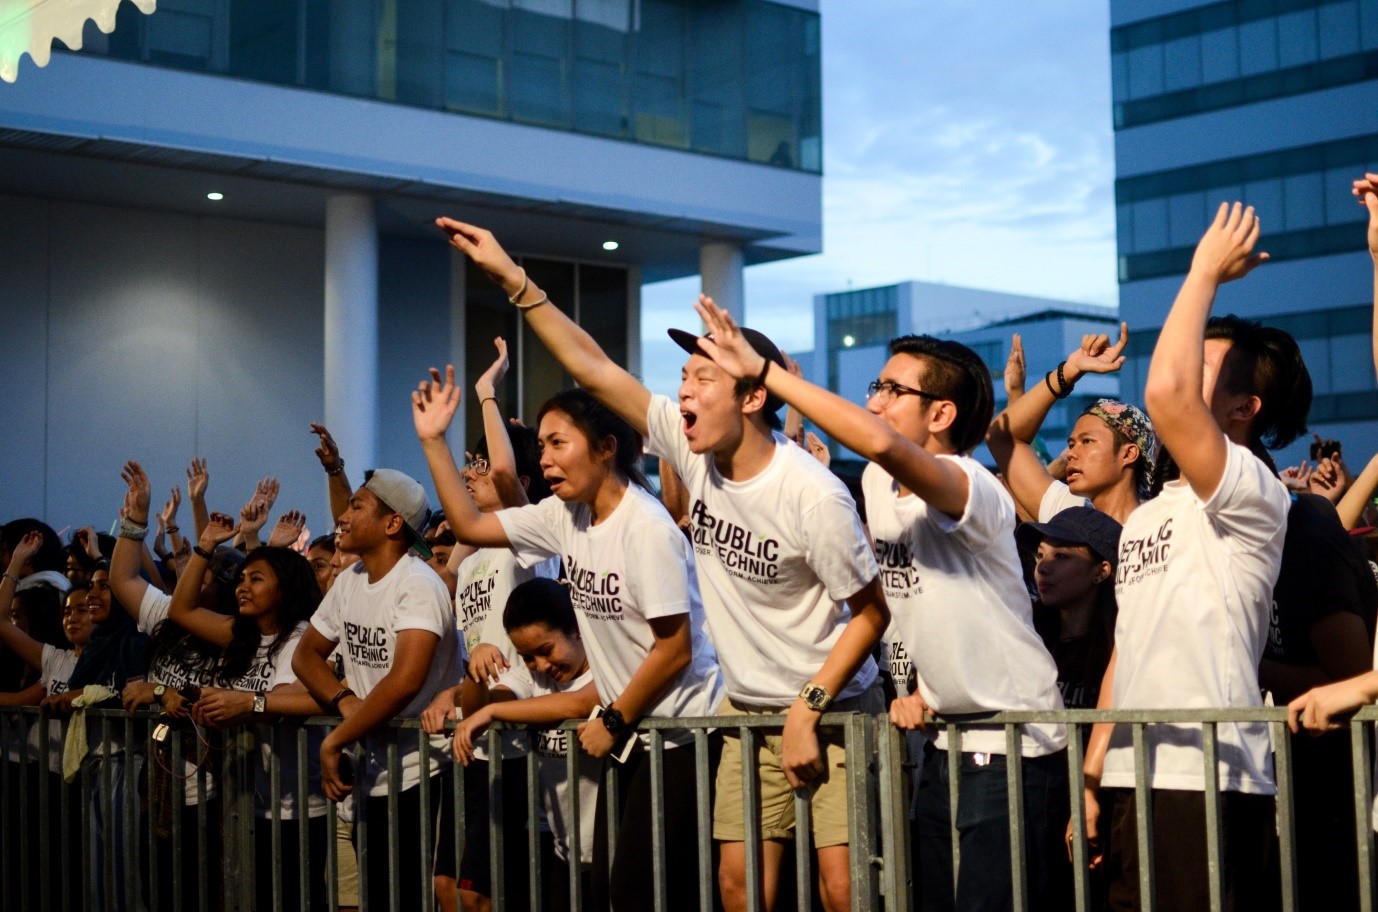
[(122, 858)]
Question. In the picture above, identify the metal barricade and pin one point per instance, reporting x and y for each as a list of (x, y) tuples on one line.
[(117, 861)]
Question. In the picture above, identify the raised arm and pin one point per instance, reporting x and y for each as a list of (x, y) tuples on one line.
[(125, 583), (502, 460), (1173, 393), (1011, 434), (1366, 189), (940, 482), (210, 626), (1351, 506), (434, 404), (574, 348), (19, 642), (337, 483), (198, 477)]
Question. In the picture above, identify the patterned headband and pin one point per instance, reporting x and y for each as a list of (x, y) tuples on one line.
[(1131, 423)]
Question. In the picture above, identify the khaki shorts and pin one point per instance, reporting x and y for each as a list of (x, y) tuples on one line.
[(346, 864), (828, 796)]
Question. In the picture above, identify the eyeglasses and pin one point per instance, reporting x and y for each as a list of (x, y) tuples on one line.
[(887, 390), (476, 464)]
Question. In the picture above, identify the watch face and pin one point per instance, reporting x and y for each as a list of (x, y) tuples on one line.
[(815, 696)]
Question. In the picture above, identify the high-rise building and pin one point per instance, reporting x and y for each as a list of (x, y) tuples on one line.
[(219, 218), (1270, 102)]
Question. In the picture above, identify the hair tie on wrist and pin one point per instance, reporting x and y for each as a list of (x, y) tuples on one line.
[(492, 399), (202, 553), (544, 299), (520, 291), (765, 369)]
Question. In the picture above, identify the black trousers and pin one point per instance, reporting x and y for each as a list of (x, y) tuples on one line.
[(628, 887), (375, 856)]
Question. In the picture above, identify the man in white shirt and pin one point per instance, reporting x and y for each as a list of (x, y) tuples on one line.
[(391, 619), (788, 581)]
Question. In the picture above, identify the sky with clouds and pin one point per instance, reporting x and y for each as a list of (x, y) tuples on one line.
[(965, 143)]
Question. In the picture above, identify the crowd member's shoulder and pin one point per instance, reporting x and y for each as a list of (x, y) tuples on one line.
[(807, 473)]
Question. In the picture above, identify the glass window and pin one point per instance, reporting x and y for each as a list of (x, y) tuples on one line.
[(1368, 26), (1146, 71), (487, 315), (1266, 198), (1220, 55), (539, 89), (601, 40), (263, 40), (1186, 219), (475, 43), (658, 90), (1340, 207), (418, 53), (718, 54), (1182, 63), (1297, 39), (1150, 225), (1344, 352), (1119, 76), (603, 308), (1339, 29), (184, 35), (1258, 47), (1124, 227)]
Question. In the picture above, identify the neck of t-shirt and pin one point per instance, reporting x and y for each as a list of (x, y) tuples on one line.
[(750, 455), (378, 562)]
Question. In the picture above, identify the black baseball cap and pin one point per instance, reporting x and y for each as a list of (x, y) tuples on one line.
[(1077, 526), (758, 341)]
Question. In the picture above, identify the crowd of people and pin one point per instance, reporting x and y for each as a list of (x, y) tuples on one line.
[(1162, 561)]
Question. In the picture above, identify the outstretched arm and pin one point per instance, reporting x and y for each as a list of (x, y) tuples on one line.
[(1013, 431), (433, 407), (337, 483), (128, 587), (940, 482), (210, 626), (574, 348), (502, 461), (1351, 506), (19, 642), (198, 477), (1181, 418), (1366, 189)]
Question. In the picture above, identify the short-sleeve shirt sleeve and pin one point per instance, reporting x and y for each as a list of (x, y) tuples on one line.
[(423, 604), (326, 620), (664, 593), (518, 680), (153, 609), (989, 510), (1250, 504), (1057, 498), (663, 435), (836, 548), (533, 531)]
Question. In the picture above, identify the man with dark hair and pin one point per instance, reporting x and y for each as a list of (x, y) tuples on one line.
[(390, 617), (944, 531)]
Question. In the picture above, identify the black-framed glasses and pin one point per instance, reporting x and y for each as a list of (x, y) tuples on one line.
[(888, 390), (476, 464)]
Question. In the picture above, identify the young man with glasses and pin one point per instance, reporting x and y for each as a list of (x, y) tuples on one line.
[(943, 529)]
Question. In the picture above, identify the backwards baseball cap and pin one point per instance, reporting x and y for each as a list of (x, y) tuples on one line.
[(1076, 526), (403, 495), (758, 341)]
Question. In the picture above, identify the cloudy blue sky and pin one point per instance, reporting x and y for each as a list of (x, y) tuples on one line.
[(966, 143)]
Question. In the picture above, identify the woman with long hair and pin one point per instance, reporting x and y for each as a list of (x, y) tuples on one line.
[(276, 593), (631, 576)]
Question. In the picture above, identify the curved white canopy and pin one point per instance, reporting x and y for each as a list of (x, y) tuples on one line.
[(29, 26)]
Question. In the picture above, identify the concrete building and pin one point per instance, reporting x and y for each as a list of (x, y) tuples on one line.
[(852, 329), (1271, 103), (219, 217)]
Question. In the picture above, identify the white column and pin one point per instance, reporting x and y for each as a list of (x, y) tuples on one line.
[(351, 329), (720, 277)]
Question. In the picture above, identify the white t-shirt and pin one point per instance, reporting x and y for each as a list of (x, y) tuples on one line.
[(778, 555), (1195, 589), (624, 572), (957, 595), (267, 672), (485, 580), (1057, 498), (897, 657), (55, 671), (552, 745), (366, 618)]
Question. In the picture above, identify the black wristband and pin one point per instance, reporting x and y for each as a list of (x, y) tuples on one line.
[(761, 377), (339, 698), (1062, 381), (202, 553)]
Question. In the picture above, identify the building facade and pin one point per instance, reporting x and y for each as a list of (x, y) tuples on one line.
[(221, 216), (1270, 102), (853, 328)]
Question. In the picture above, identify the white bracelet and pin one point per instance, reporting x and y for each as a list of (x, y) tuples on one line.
[(520, 291)]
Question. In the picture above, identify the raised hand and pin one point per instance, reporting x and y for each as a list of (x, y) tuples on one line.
[(137, 498), (328, 452), (252, 516), (728, 348), (1366, 189), (266, 491), (1297, 477), (1097, 355), (86, 539), (484, 251), (1226, 251), (169, 515), (1016, 373), (23, 551), (287, 530), (488, 382), (219, 530), (434, 403), (198, 476), (817, 449)]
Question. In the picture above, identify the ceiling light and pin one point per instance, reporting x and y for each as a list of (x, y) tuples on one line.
[(848, 341), (215, 195), (610, 245)]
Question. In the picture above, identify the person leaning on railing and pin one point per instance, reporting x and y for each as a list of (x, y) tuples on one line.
[(944, 534), (390, 614), (1194, 585)]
